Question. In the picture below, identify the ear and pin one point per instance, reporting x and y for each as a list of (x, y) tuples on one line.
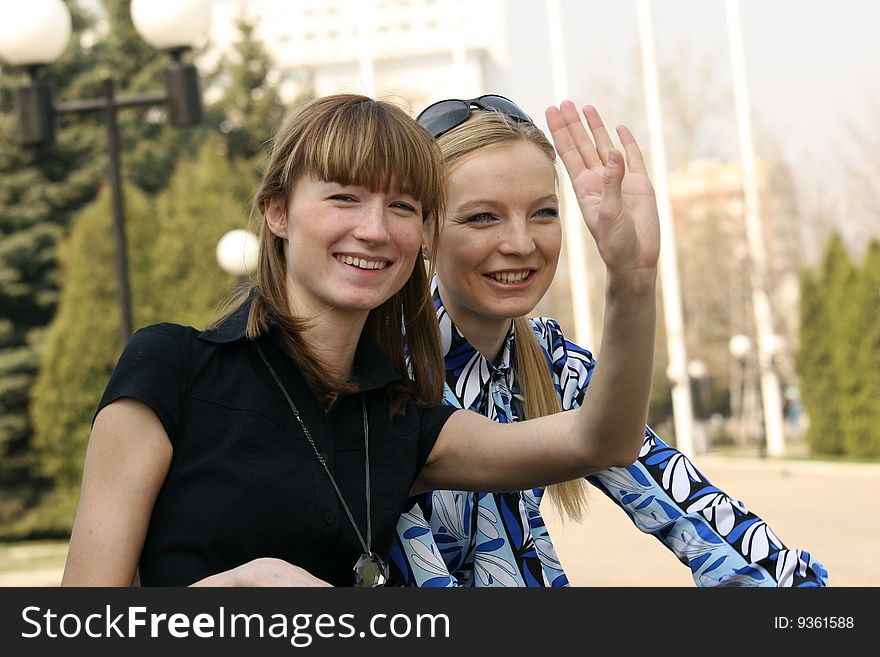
[(427, 239), (276, 218)]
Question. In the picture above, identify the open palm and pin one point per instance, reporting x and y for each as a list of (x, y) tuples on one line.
[(618, 205)]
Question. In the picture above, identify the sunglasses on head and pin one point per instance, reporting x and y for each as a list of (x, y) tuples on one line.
[(444, 115)]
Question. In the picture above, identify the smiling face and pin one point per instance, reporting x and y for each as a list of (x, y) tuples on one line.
[(499, 244), (346, 247)]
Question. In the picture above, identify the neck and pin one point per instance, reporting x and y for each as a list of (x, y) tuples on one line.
[(485, 334), (331, 334)]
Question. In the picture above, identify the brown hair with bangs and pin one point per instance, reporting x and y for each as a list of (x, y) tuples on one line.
[(484, 129), (353, 139)]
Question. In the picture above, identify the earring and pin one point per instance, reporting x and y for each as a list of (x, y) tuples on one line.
[(425, 254)]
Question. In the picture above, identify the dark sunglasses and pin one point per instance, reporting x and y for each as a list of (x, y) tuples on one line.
[(444, 115)]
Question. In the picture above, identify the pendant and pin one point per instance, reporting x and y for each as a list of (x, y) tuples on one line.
[(370, 570)]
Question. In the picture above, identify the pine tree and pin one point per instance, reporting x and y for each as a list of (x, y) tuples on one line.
[(40, 190), (250, 109), (825, 353), (811, 357), (207, 197), (861, 400), (81, 348), (174, 277)]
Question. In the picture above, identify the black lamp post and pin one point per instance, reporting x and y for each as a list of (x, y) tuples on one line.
[(37, 34)]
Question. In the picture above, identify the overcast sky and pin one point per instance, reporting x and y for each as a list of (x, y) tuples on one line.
[(813, 66), (813, 69)]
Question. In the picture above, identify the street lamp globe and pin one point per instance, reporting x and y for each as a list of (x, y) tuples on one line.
[(773, 343), (33, 32), (697, 369), (238, 252), (740, 345), (171, 24)]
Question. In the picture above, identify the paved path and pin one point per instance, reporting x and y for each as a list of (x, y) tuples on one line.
[(825, 508)]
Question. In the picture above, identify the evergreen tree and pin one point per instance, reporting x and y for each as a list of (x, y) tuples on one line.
[(81, 348), (250, 109), (40, 190), (174, 277), (861, 400), (173, 237), (207, 197), (825, 353)]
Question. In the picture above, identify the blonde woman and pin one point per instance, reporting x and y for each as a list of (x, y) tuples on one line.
[(496, 255)]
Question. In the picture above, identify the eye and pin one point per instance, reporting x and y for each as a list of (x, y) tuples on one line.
[(406, 207), (481, 218), (345, 198), (547, 213)]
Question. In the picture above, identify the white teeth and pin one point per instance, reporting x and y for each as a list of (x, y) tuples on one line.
[(504, 277), (360, 263)]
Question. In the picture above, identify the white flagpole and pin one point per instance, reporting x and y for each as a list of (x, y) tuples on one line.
[(767, 341), (682, 406), (578, 274)]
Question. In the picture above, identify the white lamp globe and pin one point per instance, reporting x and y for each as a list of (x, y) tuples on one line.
[(697, 369), (773, 343), (33, 31), (740, 345), (238, 252), (169, 24)]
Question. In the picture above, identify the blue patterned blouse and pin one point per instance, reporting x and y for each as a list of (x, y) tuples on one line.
[(454, 538)]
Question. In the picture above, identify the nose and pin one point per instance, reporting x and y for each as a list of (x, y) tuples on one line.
[(516, 239), (373, 224)]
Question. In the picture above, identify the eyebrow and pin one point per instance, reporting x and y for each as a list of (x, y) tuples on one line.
[(388, 190), (552, 199)]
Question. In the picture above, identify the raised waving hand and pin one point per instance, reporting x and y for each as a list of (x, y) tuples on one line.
[(616, 198)]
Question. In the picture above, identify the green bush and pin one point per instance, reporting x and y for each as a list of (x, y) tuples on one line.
[(174, 277)]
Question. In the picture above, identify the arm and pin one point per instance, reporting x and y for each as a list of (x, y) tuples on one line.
[(665, 495), (716, 536), (473, 453), (121, 480)]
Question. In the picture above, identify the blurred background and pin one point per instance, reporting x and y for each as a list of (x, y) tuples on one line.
[(129, 206)]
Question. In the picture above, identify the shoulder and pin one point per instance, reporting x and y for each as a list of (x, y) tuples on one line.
[(552, 339), (165, 331), (165, 341)]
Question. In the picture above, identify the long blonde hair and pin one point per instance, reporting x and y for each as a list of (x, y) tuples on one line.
[(540, 397), (354, 139)]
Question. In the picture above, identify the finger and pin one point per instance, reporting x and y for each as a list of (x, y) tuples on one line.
[(562, 141), (600, 133), (612, 177), (564, 137), (580, 136), (634, 158)]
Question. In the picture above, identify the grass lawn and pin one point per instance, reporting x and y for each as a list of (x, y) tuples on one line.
[(34, 555)]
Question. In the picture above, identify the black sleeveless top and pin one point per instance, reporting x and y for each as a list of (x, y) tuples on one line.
[(243, 481)]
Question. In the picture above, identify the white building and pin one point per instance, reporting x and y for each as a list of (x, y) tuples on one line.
[(415, 51)]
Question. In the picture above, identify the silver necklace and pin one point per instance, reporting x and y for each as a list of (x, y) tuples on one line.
[(369, 570)]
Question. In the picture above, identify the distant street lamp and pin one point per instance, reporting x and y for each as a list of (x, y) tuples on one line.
[(698, 376), (34, 33), (739, 346), (238, 252), (759, 275)]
